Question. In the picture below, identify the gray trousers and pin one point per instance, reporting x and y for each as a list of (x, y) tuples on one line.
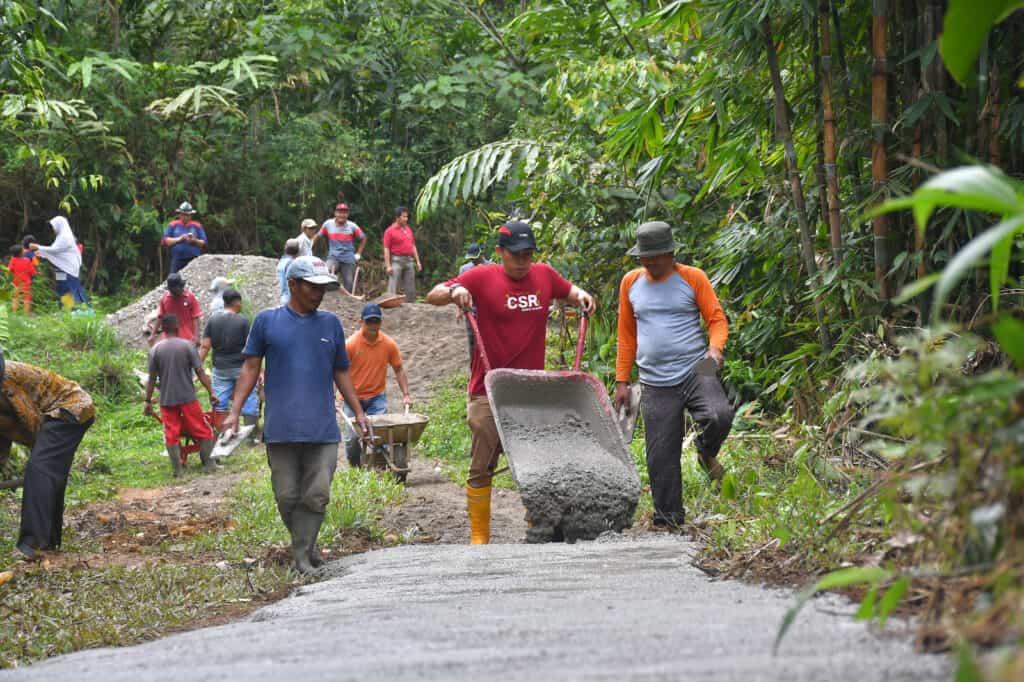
[(300, 474), (346, 272), (662, 406), (403, 277)]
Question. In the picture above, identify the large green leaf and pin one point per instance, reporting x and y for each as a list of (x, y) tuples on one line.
[(967, 25), (968, 256), (1010, 334)]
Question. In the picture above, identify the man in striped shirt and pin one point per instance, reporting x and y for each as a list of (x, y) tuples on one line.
[(661, 305), (342, 253)]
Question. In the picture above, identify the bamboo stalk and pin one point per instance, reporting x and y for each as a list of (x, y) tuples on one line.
[(879, 124), (793, 169), (829, 130)]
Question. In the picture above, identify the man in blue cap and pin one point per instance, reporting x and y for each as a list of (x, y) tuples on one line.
[(305, 360), (371, 351)]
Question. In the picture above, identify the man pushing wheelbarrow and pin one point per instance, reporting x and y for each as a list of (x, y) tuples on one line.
[(174, 360), (512, 301)]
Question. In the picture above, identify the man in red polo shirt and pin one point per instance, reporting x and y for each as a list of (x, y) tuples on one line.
[(400, 255), (183, 304), (512, 301)]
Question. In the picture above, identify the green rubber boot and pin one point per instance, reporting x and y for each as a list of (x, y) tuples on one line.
[(209, 463), (305, 527), (174, 454)]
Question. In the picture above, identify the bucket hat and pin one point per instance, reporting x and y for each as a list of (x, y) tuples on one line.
[(653, 239)]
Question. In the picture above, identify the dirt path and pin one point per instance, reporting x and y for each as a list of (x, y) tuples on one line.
[(133, 527), (435, 510)]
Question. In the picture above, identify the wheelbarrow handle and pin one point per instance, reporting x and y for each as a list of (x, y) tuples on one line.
[(581, 338), (471, 316)]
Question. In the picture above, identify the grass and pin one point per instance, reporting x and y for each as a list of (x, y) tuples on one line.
[(224, 570)]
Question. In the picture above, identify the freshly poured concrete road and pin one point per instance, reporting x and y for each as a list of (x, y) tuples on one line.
[(616, 610)]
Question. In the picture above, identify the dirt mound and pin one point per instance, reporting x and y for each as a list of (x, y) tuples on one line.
[(432, 342)]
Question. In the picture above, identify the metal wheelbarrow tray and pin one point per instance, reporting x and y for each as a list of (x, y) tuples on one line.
[(573, 468)]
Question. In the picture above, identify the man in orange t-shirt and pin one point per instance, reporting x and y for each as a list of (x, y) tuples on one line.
[(371, 351)]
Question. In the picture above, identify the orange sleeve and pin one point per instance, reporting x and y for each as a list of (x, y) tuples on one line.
[(626, 355), (707, 301), (394, 355)]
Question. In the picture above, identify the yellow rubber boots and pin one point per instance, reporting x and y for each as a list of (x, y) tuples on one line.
[(478, 504)]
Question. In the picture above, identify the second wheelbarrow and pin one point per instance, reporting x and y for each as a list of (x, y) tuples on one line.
[(575, 473)]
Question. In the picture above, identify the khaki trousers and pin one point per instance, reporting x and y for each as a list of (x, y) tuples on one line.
[(486, 445)]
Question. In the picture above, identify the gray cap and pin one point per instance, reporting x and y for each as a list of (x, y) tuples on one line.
[(653, 239), (313, 270)]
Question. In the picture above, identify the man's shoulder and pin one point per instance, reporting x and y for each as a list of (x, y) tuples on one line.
[(631, 276), (388, 341)]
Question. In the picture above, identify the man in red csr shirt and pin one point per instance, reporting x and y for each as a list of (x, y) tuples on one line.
[(183, 304), (512, 301)]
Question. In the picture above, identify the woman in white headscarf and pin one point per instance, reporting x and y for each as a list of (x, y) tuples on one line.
[(66, 259)]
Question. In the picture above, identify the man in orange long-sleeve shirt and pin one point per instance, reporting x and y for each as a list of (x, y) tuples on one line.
[(660, 308)]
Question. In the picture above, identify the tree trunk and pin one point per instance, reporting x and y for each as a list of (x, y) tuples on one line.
[(879, 124), (786, 133), (934, 80), (851, 149), (828, 113)]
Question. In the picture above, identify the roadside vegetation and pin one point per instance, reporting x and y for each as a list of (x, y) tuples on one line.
[(129, 573)]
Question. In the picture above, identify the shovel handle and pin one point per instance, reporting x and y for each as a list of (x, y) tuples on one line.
[(471, 316), (581, 338)]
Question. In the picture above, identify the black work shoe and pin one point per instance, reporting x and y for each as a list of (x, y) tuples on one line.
[(712, 467), (673, 521)]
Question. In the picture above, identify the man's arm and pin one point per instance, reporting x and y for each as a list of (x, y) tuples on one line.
[(147, 408), (200, 239), (443, 294), (243, 387), (204, 348), (362, 243), (343, 380), (204, 379), (416, 255), (581, 298), (387, 259), (626, 351), (403, 383)]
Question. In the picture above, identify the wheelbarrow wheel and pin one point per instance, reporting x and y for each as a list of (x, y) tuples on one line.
[(400, 458)]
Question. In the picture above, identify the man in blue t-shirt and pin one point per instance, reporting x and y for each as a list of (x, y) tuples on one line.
[(185, 236), (305, 360)]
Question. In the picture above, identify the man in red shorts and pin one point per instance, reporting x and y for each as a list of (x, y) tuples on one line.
[(174, 360), (512, 301)]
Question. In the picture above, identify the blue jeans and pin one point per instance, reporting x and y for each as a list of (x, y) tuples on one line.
[(378, 404), (224, 388)]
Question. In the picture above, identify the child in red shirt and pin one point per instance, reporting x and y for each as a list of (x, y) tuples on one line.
[(22, 271)]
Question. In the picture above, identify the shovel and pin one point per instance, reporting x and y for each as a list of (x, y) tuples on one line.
[(230, 440)]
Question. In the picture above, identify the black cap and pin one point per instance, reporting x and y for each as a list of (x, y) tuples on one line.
[(516, 237)]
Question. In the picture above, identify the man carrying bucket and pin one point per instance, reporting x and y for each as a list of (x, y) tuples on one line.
[(661, 305), (512, 301)]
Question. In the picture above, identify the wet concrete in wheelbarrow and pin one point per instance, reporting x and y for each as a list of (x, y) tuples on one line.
[(614, 609), (574, 472)]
